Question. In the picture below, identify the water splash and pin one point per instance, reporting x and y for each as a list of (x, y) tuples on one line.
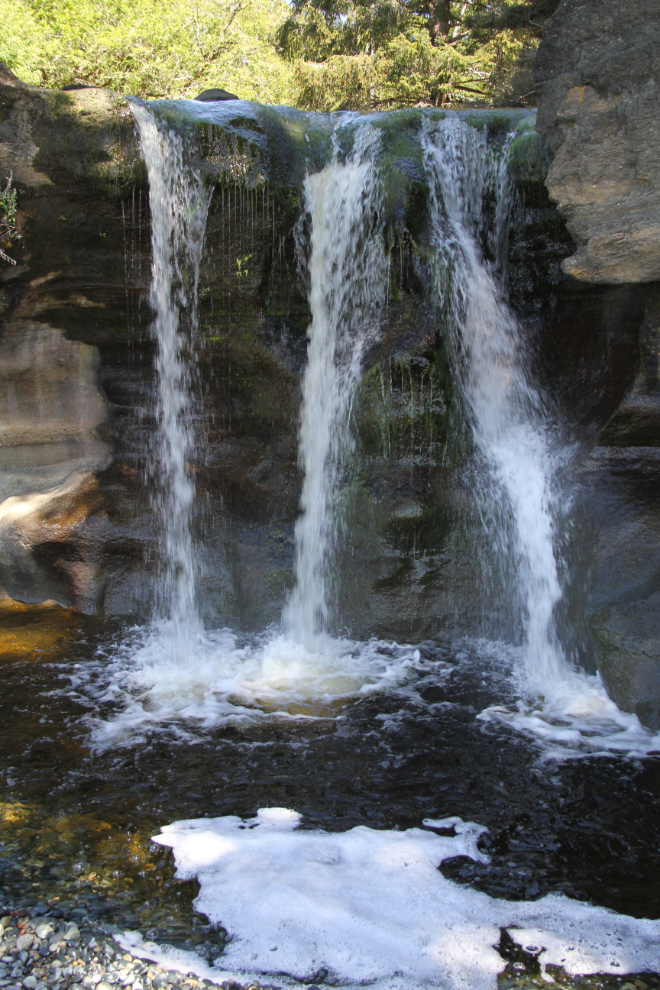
[(509, 425), (179, 205), (348, 281)]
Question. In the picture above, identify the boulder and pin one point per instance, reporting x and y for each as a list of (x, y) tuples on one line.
[(48, 542), (212, 95)]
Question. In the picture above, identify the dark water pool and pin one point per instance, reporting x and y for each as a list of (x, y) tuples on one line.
[(77, 824)]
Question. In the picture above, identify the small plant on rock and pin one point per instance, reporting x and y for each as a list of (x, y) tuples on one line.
[(8, 219)]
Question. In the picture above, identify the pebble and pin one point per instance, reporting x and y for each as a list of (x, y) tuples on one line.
[(44, 950)]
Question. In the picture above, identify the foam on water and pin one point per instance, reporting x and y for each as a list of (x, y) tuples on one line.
[(372, 908), (223, 678)]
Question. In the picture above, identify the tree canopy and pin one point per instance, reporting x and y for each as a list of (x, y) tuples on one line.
[(149, 48), (361, 54), (316, 54)]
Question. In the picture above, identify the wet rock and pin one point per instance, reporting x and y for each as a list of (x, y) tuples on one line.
[(43, 543), (595, 73), (213, 95)]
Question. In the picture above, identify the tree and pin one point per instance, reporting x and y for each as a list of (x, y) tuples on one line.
[(152, 49), (372, 54), (317, 54)]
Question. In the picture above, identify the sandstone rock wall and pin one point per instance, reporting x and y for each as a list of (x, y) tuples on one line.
[(67, 154), (78, 378)]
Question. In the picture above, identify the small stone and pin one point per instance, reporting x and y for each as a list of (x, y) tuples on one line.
[(30, 982), (24, 942), (103, 985), (44, 929)]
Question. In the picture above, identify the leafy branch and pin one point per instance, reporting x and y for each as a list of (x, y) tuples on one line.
[(8, 219)]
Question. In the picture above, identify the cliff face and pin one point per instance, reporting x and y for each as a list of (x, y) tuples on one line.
[(66, 154), (597, 73)]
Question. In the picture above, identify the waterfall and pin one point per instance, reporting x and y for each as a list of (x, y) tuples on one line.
[(179, 205), (348, 281), (509, 426), (173, 669)]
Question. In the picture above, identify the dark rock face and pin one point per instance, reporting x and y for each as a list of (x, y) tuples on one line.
[(212, 95), (596, 74)]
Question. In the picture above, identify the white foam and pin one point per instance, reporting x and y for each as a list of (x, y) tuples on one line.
[(372, 908), (573, 717), (217, 679)]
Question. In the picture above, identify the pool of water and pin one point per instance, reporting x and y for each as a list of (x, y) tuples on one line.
[(78, 821)]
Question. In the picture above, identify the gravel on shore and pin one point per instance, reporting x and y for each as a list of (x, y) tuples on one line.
[(41, 951)]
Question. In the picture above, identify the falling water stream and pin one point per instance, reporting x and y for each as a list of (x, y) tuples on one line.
[(510, 427), (179, 205), (348, 281)]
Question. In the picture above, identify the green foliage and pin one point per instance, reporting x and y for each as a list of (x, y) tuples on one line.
[(152, 49), (365, 55), (8, 219), (407, 71), (317, 54), (21, 41)]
